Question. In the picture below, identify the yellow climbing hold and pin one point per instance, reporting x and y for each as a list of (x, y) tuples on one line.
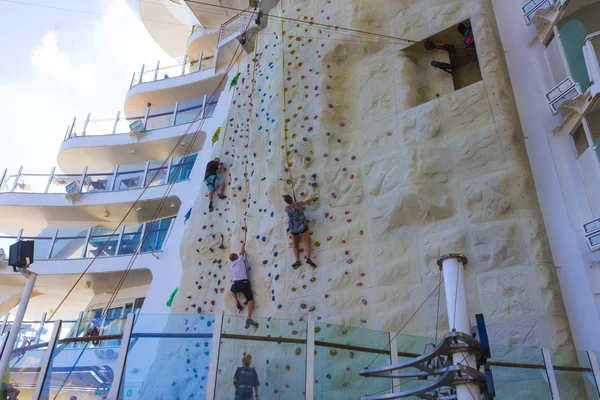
[(311, 309), (298, 351), (333, 352)]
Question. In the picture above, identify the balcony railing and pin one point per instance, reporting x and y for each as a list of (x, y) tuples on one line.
[(147, 119), (181, 66), (237, 25), (77, 243), (197, 356), (591, 53), (122, 177)]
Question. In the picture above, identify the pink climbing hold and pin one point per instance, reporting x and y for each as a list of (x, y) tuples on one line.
[(328, 134), (349, 261), (351, 176), (336, 159), (364, 301), (316, 88), (361, 232), (349, 220), (330, 105), (342, 124), (334, 195), (324, 154), (353, 158), (346, 252), (362, 274), (339, 140), (329, 238), (328, 65), (359, 284)]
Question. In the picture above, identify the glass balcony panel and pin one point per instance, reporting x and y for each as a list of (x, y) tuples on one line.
[(6, 241), (60, 181), (182, 168), (25, 365), (43, 242), (155, 236), (77, 129), (148, 75), (97, 183), (170, 71), (130, 176), (160, 345), (69, 243), (157, 173), (573, 384), (131, 239), (280, 366), (8, 182), (32, 183), (189, 111), (102, 243), (160, 117), (337, 370), (100, 126), (125, 121)]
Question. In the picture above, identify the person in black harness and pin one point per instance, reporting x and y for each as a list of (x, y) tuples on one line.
[(245, 379), (212, 180)]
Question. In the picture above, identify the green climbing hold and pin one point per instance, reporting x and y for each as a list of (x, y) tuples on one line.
[(170, 301), (215, 137), (199, 310), (234, 81)]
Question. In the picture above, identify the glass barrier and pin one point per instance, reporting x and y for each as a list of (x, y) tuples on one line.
[(130, 176), (60, 181), (69, 243), (159, 120), (278, 366), (182, 168), (102, 242), (100, 126), (155, 235), (97, 183), (130, 241), (6, 241), (8, 183), (157, 173), (337, 370), (573, 383), (43, 242), (25, 365), (513, 382), (188, 114), (32, 183), (174, 350)]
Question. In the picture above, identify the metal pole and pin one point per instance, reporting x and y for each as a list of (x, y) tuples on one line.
[(169, 166), (52, 243), (310, 360), (156, 70), (184, 63), (2, 180), (213, 366), (3, 324), (114, 179), (78, 324), (551, 376), (394, 359), (204, 104), (595, 369), (452, 267), (141, 74), (47, 360), (200, 60), (146, 117), (82, 180), (38, 334), (146, 173), (49, 180), (17, 177), (85, 124), (115, 387), (132, 80), (87, 241), (16, 325), (116, 122), (72, 126), (174, 116), (2, 343)]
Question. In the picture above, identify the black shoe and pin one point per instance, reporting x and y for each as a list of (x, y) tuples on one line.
[(296, 265), (251, 322), (239, 307), (311, 263), (210, 207), (221, 196)]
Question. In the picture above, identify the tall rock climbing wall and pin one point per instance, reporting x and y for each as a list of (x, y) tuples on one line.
[(407, 169)]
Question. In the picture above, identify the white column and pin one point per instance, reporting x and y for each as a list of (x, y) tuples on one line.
[(595, 369), (115, 388), (550, 372), (46, 361), (452, 266), (49, 180), (14, 185), (394, 358), (156, 70), (16, 326), (85, 124), (213, 366), (310, 360), (116, 122)]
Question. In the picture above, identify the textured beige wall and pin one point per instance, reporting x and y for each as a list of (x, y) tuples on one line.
[(407, 170)]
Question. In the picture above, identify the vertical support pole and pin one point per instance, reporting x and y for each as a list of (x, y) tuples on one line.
[(121, 231), (394, 359), (141, 74), (213, 366), (132, 80), (204, 105), (116, 122), (78, 324), (3, 339), (310, 360), (49, 180), (184, 64), (20, 234), (115, 387), (452, 268), (595, 369), (38, 334), (67, 132), (3, 323), (14, 185), (2, 177), (146, 117), (114, 179), (175, 111), (16, 326), (143, 238), (146, 173), (87, 241), (169, 166), (551, 376), (46, 361), (52, 244), (85, 124), (156, 70), (200, 60), (82, 179), (72, 126)]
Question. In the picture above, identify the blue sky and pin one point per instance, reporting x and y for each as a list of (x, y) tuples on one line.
[(57, 64)]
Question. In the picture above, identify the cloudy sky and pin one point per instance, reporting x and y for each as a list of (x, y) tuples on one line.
[(57, 64)]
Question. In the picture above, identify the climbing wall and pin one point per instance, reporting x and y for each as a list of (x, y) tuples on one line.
[(407, 169)]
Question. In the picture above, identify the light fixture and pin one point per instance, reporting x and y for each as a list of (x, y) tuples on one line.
[(140, 208), (132, 151), (182, 144), (106, 213)]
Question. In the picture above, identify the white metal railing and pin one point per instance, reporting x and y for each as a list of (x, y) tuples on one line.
[(122, 177), (237, 25), (532, 6), (181, 66), (78, 243), (591, 53), (146, 119), (568, 89)]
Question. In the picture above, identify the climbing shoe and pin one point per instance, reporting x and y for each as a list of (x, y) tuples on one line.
[(221, 196), (311, 263), (239, 307), (251, 322), (296, 265), (210, 209)]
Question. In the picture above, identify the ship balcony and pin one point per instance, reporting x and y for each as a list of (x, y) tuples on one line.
[(151, 133), (181, 80), (102, 196), (573, 59), (70, 250)]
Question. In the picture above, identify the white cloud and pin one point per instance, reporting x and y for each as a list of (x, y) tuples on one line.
[(56, 64)]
